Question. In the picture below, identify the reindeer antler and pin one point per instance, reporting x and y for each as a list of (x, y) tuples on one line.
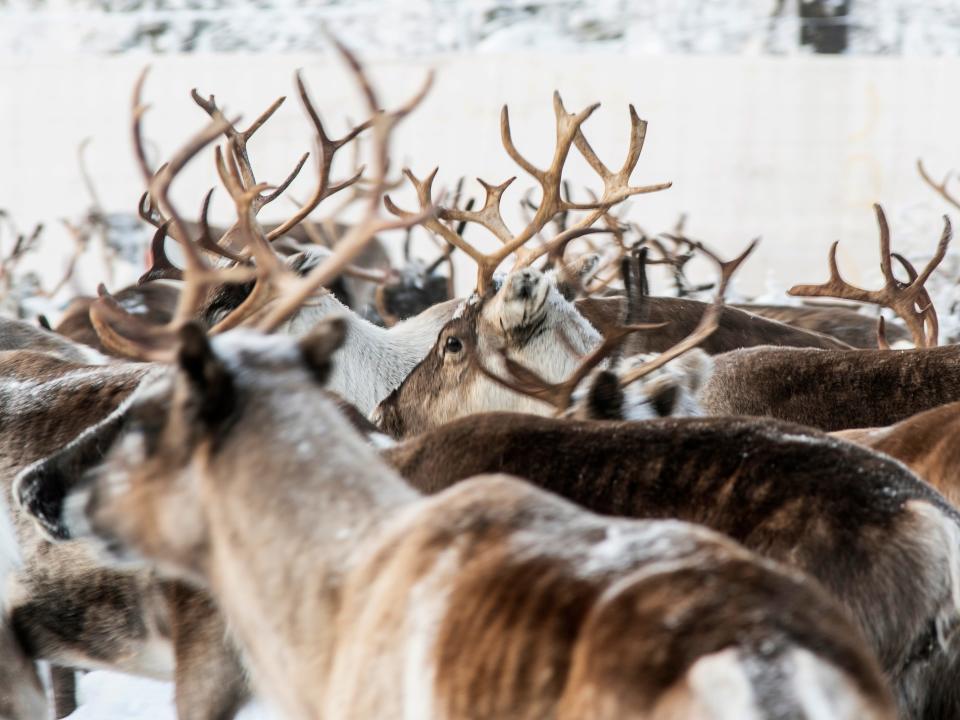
[(909, 300), (709, 321), (938, 187), (552, 203)]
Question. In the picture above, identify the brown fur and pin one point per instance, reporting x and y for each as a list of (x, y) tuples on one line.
[(787, 492), (833, 389), (737, 329), (21, 693), (20, 335), (154, 302), (843, 323), (490, 600), (67, 607), (928, 443)]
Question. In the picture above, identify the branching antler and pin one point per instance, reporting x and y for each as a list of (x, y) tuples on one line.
[(908, 300), (552, 203), (938, 187), (359, 234)]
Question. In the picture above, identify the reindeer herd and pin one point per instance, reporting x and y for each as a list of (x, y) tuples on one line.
[(282, 469)]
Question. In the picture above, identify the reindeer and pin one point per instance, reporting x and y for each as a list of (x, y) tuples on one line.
[(837, 321), (410, 571), (131, 620), (925, 442), (839, 390), (705, 459), (474, 354)]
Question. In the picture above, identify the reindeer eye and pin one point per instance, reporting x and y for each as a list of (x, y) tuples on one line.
[(453, 344)]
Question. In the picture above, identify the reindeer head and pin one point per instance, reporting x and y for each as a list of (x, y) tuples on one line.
[(140, 482), (526, 318)]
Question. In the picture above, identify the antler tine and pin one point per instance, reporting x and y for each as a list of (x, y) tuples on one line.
[(138, 111), (424, 190), (357, 237), (939, 188), (160, 266), (709, 321), (206, 241), (882, 342), (906, 300), (326, 149), (616, 185), (239, 137), (87, 178), (148, 212), (924, 304)]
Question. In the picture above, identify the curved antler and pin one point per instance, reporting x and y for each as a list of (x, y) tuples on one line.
[(910, 301)]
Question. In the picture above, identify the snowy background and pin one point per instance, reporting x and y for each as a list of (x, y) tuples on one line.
[(769, 122)]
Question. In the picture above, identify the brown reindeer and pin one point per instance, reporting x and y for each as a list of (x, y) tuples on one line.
[(925, 442), (785, 491), (840, 390), (843, 323), (834, 320), (491, 599), (713, 471)]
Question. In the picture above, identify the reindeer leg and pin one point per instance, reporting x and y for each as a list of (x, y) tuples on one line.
[(63, 683), (210, 680)]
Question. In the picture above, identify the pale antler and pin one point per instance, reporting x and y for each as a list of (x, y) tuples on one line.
[(938, 187), (130, 335), (909, 301), (297, 290), (568, 132)]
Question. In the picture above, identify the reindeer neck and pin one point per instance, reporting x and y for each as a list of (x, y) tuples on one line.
[(373, 361), (286, 526)]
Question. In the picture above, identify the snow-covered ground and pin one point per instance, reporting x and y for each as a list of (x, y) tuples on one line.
[(413, 28), (109, 696)]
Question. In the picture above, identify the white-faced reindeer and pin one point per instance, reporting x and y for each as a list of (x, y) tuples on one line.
[(480, 363), (612, 618)]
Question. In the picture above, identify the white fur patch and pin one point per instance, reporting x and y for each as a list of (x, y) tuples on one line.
[(722, 687)]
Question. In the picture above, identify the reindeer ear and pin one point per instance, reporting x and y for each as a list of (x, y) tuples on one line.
[(605, 397), (319, 345), (663, 395), (572, 277), (209, 378)]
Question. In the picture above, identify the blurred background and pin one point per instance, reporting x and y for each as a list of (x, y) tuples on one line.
[(785, 119)]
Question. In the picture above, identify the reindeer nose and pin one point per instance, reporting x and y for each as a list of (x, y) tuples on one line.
[(525, 283)]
